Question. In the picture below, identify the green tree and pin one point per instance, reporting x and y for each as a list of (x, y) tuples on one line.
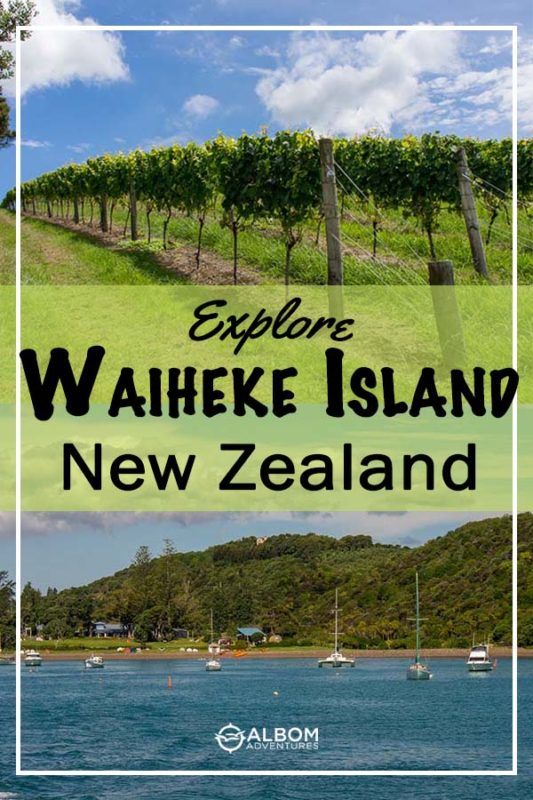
[(141, 577), (12, 13), (7, 611), (6, 133), (31, 607), (144, 626), (167, 583)]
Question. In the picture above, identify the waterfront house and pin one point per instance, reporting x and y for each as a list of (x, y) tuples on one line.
[(252, 634), (108, 629)]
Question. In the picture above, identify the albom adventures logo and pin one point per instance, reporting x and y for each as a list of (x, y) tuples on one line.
[(231, 738)]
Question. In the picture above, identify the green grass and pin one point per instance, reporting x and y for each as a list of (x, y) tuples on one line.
[(7, 247), (401, 257), (53, 255), (94, 644), (56, 255), (262, 247), (78, 644)]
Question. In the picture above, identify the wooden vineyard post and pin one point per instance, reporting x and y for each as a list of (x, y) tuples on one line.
[(447, 314), (332, 225), (468, 202), (133, 212)]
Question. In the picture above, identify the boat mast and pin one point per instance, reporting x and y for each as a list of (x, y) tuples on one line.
[(417, 659), (336, 620), (212, 636)]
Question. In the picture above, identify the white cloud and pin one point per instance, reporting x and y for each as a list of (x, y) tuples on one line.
[(344, 86), (383, 526), (496, 45), (482, 98), (267, 52), (200, 105), (82, 147), (525, 84), (489, 93), (337, 85), (525, 97), (58, 58), (34, 143)]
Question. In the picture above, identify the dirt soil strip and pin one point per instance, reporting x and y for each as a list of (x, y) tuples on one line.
[(213, 270), (147, 655)]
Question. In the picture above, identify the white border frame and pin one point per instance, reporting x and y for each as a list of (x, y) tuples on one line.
[(513, 772)]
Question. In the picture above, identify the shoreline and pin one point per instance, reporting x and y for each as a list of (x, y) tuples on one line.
[(151, 655)]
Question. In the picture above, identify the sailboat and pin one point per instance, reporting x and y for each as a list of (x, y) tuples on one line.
[(336, 659), (418, 671), (479, 659), (213, 664)]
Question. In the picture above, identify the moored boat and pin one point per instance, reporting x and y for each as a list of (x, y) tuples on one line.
[(213, 664), (32, 658), (479, 659), (418, 671), (6, 661), (337, 658), (94, 662)]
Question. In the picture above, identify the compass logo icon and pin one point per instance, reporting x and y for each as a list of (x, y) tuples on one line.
[(230, 738)]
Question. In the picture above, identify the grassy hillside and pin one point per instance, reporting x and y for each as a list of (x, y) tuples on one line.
[(286, 585)]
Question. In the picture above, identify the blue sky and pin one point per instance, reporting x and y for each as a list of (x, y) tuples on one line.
[(88, 93)]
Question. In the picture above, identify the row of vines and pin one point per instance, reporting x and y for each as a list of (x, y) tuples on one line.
[(253, 178)]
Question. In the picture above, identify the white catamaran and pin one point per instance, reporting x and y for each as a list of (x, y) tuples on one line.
[(213, 664), (336, 659), (479, 659), (418, 671)]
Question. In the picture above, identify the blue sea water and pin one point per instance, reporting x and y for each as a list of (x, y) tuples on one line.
[(126, 717)]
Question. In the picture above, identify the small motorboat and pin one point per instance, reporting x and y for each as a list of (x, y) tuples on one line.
[(479, 660), (94, 662), (32, 658), (213, 665)]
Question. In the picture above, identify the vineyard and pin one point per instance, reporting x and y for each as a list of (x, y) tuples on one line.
[(399, 203)]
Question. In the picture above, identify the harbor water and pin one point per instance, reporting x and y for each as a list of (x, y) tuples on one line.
[(288, 715)]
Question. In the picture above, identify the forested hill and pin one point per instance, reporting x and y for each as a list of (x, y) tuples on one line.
[(286, 583)]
